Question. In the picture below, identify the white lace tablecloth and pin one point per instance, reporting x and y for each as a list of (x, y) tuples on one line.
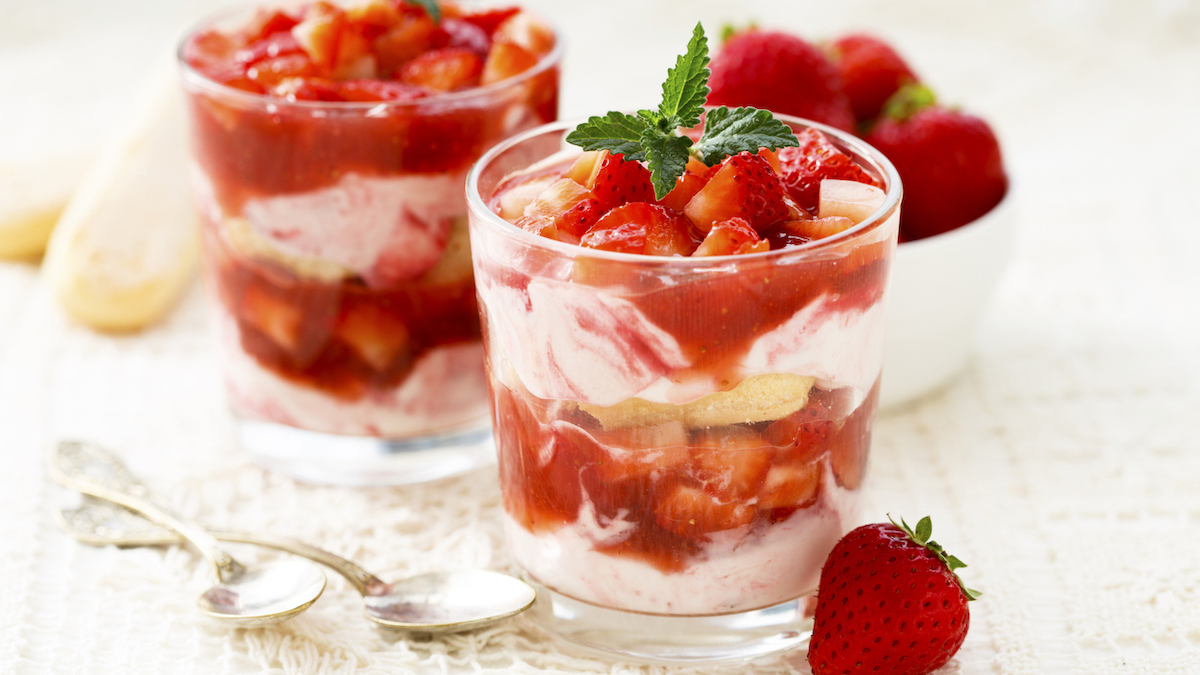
[(1064, 465)]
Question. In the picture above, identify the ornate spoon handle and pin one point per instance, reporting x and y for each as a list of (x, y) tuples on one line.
[(94, 471), (103, 523)]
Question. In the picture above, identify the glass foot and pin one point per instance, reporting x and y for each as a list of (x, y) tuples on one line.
[(317, 457), (661, 639)]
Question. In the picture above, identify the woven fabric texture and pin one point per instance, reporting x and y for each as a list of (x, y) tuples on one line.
[(1063, 465)]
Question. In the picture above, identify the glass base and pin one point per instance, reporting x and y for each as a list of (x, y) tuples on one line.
[(661, 639), (333, 459)]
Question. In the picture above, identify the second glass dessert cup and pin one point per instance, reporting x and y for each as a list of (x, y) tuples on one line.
[(337, 260), (681, 440)]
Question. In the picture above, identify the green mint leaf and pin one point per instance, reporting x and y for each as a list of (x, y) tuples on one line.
[(731, 131), (686, 86), (667, 157), (616, 132), (655, 120), (431, 8)]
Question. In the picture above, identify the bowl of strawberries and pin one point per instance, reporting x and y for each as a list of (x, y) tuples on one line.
[(957, 228)]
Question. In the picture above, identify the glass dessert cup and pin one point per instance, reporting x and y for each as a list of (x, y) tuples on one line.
[(681, 440), (337, 262)]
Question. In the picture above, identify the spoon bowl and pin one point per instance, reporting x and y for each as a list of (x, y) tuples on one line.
[(438, 602), (265, 594), (446, 602), (243, 596)]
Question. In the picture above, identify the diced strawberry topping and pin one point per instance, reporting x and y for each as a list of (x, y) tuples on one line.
[(271, 71), (210, 51), (468, 36), (278, 44), (639, 227), (731, 237), (523, 30), (373, 17), (309, 89), (379, 90), (804, 167), (743, 186), (490, 19), (686, 186), (580, 218), (553, 212), (320, 31), (405, 41), (269, 22), (619, 181), (505, 60), (446, 69)]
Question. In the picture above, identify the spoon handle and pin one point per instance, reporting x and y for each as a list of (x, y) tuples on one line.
[(94, 471), (103, 523)]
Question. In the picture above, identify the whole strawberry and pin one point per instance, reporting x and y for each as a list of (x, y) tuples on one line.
[(889, 603), (949, 163), (871, 72), (782, 73)]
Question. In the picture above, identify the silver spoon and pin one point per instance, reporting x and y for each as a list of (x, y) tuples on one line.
[(245, 596), (439, 602)]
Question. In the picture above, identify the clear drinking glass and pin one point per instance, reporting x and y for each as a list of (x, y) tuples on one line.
[(681, 440), (336, 256)]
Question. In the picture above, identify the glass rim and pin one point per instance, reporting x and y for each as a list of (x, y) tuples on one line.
[(194, 77), (892, 194)]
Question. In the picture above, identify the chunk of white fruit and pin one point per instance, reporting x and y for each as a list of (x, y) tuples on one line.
[(514, 201), (848, 199)]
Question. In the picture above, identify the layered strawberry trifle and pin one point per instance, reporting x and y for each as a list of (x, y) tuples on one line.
[(331, 145), (684, 376)]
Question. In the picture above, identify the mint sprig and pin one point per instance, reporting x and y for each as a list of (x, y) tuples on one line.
[(431, 8), (654, 136), (921, 535)]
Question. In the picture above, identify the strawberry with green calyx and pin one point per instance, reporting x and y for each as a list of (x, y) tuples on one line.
[(949, 162), (889, 602), (654, 136), (780, 72), (871, 72)]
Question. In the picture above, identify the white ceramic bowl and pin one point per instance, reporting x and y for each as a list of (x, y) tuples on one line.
[(940, 287)]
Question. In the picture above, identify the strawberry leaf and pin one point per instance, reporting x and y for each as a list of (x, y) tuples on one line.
[(667, 158), (908, 101), (729, 132), (431, 8), (686, 86), (616, 132), (921, 536), (924, 530)]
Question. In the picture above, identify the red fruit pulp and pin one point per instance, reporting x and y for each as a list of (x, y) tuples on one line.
[(676, 497)]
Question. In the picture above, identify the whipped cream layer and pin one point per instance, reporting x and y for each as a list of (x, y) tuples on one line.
[(738, 570), (447, 389), (386, 230), (568, 341)]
